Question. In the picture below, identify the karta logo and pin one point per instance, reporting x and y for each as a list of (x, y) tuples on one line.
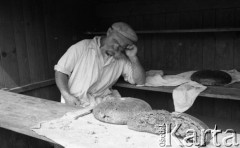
[(197, 138)]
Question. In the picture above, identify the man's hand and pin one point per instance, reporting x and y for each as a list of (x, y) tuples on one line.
[(131, 51), (71, 100), (138, 71)]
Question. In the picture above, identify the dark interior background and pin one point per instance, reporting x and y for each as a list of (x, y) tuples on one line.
[(35, 33)]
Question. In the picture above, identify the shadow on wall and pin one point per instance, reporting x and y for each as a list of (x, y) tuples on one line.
[(5, 79)]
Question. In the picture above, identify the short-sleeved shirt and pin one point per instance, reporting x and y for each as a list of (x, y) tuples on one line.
[(88, 75)]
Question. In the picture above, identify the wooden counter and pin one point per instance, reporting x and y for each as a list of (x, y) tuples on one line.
[(20, 112)]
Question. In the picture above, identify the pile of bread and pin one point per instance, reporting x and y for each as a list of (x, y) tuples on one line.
[(139, 116)]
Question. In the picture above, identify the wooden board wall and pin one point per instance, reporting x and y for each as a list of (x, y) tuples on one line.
[(179, 51), (33, 36)]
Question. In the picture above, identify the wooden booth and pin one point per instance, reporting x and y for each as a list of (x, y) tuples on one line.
[(175, 36)]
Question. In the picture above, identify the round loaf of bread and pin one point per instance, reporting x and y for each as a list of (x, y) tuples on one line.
[(150, 121), (118, 111), (211, 77), (189, 125), (155, 122)]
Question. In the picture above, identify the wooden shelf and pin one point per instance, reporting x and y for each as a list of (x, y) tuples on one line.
[(175, 31), (231, 92)]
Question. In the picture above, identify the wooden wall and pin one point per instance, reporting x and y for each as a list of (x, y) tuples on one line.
[(179, 51), (33, 36)]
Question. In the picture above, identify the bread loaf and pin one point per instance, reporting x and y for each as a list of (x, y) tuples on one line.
[(155, 122), (150, 121), (211, 77), (187, 122), (118, 111)]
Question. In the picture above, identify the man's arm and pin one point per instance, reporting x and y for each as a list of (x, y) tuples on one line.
[(62, 84), (138, 71)]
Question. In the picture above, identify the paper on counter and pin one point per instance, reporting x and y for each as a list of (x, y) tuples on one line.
[(87, 132)]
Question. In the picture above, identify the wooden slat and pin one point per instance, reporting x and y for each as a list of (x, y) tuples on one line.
[(209, 45), (52, 35), (35, 38), (237, 42), (191, 20), (235, 111), (225, 18), (8, 61), (209, 49), (140, 43), (171, 51), (172, 21), (147, 44), (20, 41), (32, 86), (36, 41), (175, 31), (209, 18), (156, 55), (224, 58), (224, 41), (192, 43)]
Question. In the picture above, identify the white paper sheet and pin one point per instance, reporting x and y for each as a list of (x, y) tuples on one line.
[(87, 132)]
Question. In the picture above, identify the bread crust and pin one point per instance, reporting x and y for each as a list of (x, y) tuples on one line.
[(187, 122), (150, 121), (118, 111), (211, 77), (155, 122)]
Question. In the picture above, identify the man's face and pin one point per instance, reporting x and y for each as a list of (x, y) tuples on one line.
[(116, 46)]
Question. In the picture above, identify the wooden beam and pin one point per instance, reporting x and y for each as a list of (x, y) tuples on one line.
[(175, 31), (32, 86)]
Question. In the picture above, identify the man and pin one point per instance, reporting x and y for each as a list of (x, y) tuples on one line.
[(89, 68)]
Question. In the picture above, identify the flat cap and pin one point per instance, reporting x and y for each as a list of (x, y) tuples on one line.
[(125, 30)]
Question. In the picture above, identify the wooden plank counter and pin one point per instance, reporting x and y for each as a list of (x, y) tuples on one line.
[(20, 112)]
